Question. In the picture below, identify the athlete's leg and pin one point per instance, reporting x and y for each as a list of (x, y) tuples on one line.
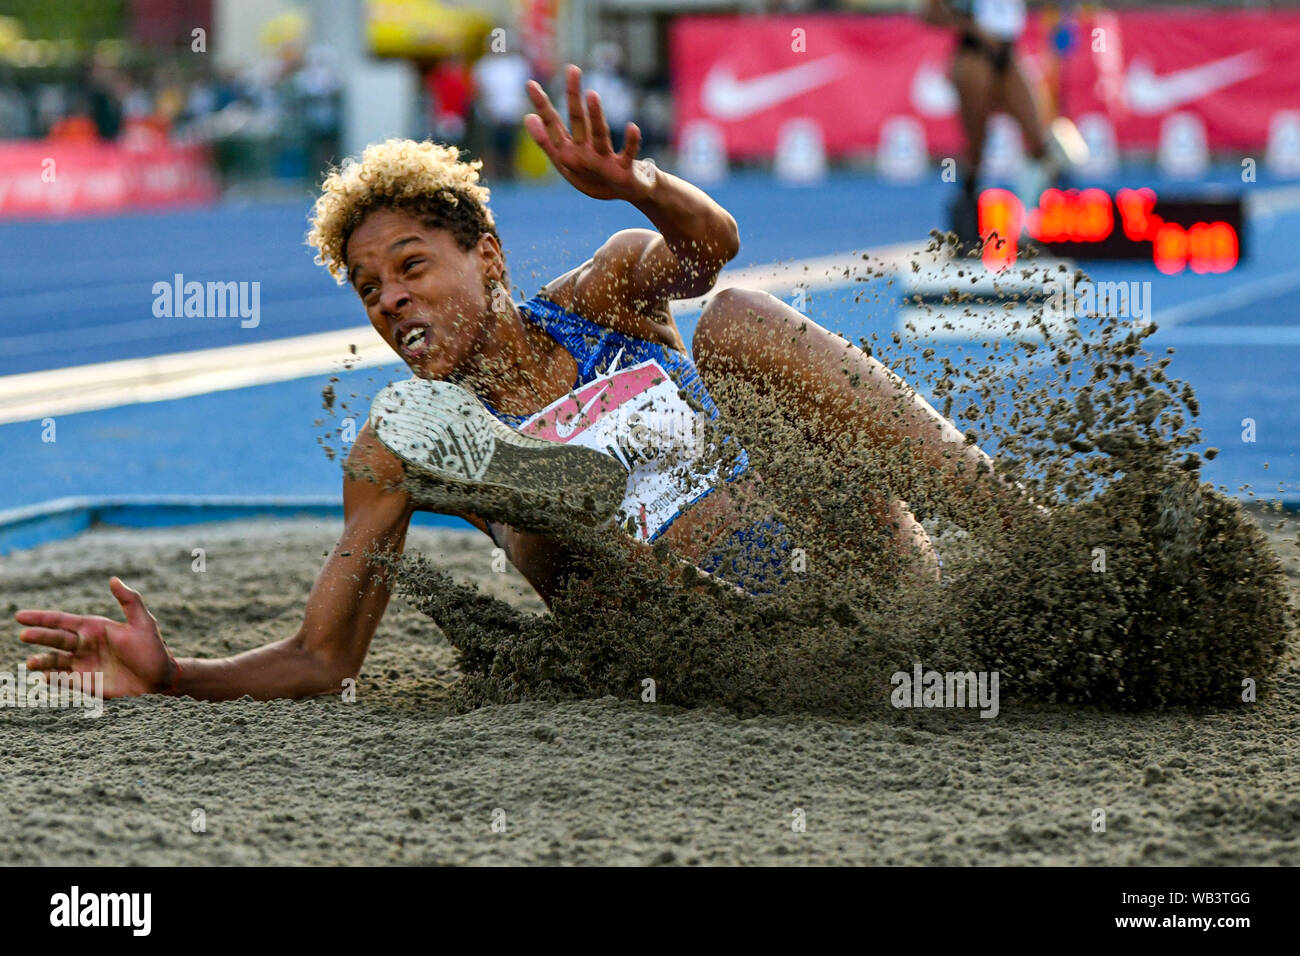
[(1016, 96), (549, 562), (843, 394), (974, 79), (811, 372)]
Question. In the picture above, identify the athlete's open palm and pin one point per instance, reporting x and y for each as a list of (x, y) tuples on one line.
[(585, 154), (131, 656)]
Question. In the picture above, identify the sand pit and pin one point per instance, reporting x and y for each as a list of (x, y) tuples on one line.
[(398, 777)]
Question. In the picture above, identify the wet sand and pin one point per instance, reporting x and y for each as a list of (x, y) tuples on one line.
[(398, 777)]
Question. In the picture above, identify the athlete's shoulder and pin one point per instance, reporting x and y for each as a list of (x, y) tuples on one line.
[(560, 289), (597, 290)]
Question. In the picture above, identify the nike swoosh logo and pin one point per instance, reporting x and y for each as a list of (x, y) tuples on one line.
[(729, 98), (1149, 94), (565, 429)]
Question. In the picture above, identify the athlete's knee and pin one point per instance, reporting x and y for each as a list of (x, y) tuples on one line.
[(726, 312), (732, 302)]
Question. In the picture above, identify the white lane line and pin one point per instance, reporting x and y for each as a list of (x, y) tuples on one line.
[(157, 378), (1235, 298), (1279, 199), (974, 324), (1229, 335)]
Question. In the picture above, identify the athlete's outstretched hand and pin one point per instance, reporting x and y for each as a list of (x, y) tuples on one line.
[(131, 656), (585, 156)]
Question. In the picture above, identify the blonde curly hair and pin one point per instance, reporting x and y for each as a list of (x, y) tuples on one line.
[(427, 179)]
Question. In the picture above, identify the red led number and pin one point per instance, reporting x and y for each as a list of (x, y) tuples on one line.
[(1087, 216), (1206, 247)]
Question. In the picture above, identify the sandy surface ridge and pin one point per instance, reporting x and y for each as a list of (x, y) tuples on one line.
[(398, 777)]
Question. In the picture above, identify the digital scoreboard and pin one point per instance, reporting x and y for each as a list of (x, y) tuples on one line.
[(1203, 235)]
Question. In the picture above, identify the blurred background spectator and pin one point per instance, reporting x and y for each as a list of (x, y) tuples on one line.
[(616, 95), (272, 91), (501, 100), (451, 94)]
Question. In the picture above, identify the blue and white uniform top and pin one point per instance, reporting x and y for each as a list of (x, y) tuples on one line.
[(641, 402), (1003, 19)]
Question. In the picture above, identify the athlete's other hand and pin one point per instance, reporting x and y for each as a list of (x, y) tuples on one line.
[(585, 156), (131, 656)]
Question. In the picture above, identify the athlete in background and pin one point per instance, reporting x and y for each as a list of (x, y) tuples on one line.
[(989, 77)]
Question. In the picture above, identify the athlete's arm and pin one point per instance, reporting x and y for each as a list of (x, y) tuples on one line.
[(345, 605), (696, 236), (343, 611)]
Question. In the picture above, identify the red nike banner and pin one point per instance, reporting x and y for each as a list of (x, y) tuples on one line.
[(749, 75), (1232, 68), (47, 178)]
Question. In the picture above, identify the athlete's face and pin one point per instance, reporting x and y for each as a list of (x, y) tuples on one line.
[(423, 293)]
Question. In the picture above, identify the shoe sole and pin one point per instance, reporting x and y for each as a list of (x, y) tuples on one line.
[(460, 458)]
